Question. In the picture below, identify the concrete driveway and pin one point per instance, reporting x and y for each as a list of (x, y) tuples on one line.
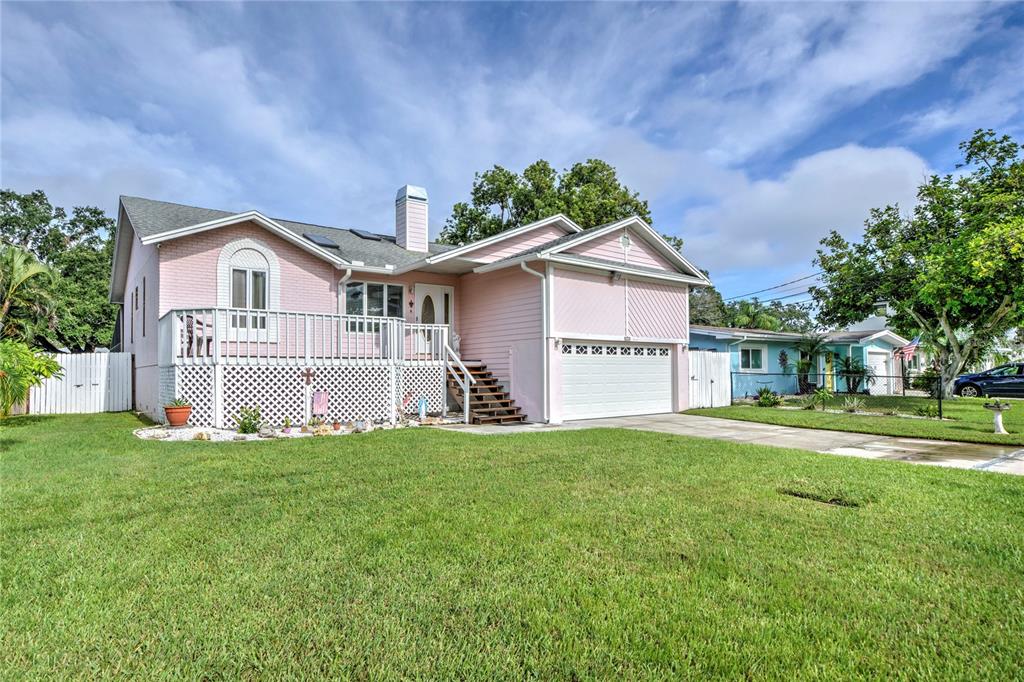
[(1003, 459)]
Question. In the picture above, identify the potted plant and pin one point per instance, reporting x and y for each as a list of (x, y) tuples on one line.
[(178, 411), (286, 425), (336, 425)]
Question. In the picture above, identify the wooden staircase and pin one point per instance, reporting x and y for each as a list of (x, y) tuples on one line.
[(488, 402)]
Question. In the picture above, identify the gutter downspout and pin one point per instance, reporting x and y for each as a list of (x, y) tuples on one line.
[(738, 366), (341, 282), (546, 331)]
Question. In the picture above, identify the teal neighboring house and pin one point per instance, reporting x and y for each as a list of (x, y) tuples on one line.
[(759, 358)]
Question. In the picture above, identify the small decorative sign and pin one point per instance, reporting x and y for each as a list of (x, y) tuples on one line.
[(320, 399)]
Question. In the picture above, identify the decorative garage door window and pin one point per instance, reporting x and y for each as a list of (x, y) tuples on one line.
[(603, 349)]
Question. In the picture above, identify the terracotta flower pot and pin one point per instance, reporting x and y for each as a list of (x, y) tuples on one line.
[(177, 416), (337, 426)]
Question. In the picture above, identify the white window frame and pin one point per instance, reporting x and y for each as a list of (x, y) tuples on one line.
[(256, 324), (343, 302), (764, 358)]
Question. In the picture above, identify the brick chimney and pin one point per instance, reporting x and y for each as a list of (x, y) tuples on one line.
[(411, 218)]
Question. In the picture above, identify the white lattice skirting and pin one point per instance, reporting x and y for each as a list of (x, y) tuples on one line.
[(378, 392)]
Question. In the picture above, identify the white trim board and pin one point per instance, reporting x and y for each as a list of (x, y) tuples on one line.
[(645, 231), (569, 226)]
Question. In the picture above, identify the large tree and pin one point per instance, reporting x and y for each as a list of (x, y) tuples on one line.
[(707, 306), (952, 271), (79, 250), (752, 314), (589, 193)]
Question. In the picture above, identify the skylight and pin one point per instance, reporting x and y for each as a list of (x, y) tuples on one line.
[(320, 240), (366, 235)]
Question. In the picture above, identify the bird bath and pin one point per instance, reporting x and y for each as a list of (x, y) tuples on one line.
[(997, 414)]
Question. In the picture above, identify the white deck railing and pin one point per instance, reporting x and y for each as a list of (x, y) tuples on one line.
[(210, 336)]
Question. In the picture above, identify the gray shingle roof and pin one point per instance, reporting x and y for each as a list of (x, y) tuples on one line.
[(150, 217)]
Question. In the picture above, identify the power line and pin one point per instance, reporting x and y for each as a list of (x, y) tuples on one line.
[(777, 286), (782, 298)]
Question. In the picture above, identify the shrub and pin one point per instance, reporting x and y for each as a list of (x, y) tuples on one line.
[(21, 368), (808, 402), (820, 398), (855, 373), (930, 411), (249, 420), (852, 404), (766, 397), (928, 380)]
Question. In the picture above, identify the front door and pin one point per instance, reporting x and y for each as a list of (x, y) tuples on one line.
[(830, 379), (434, 305)]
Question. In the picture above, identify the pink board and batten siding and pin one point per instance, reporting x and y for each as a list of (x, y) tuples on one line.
[(609, 247), (594, 305), (513, 245), (501, 318)]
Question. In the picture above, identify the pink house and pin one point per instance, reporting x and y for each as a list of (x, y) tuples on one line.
[(547, 322)]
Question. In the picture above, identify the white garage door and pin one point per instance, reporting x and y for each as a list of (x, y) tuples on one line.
[(884, 384), (615, 380)]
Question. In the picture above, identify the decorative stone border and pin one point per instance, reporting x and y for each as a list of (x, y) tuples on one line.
[(162, 432)]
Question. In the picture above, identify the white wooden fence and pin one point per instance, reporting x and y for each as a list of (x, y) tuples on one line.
[(709, 379), (91, 382)]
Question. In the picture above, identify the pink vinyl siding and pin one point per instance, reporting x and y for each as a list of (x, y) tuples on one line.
[(188, 268), (657, 311), (501, 325), (143, 276), (589, 304), (513, 245), (593, 304), (609, 247)]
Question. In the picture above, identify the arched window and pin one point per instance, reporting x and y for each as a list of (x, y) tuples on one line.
[(248, 277)]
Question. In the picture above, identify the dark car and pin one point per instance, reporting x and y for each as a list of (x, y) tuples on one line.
[(1005, 381)]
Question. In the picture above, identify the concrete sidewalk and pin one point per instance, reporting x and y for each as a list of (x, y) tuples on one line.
[(1003, 459)]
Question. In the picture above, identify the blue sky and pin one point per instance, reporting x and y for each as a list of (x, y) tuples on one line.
[(751, 129)]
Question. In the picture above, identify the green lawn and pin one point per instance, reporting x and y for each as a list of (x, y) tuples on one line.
[(431, 554), (966, 419)]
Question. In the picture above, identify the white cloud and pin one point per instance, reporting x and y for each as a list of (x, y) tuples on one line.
[(784, 70), (988, 93), (90, 161), (319, 113), (773, 223)]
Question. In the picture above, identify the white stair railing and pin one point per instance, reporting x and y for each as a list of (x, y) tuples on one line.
[(465, 381)]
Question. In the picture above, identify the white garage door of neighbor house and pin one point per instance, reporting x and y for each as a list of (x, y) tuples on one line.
[(883, 384), (615, 380)]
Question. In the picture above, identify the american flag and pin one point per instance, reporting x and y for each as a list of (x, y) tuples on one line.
[(906, 352)]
